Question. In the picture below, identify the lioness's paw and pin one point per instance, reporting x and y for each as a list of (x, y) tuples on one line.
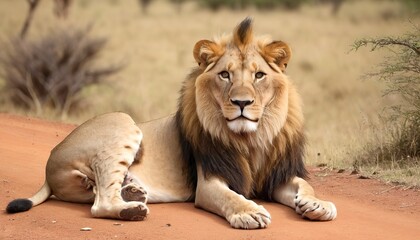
[(315, 209), (134, 211), (137, 212), (133, 192), (253, 218)]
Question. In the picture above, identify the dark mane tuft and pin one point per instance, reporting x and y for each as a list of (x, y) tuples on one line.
[(243, 28), (243, 33)]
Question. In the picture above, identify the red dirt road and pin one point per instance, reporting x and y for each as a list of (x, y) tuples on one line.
[(367, 209)]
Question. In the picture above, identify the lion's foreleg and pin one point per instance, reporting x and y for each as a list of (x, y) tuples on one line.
[(299, 195), (215, 196)]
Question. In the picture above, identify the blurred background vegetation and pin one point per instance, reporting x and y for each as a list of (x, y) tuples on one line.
[(70, 60)]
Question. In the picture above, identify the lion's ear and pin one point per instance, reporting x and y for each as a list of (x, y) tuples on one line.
[(206, 52), (277, 53)]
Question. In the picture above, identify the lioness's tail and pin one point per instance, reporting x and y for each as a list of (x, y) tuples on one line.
[(24, 204)]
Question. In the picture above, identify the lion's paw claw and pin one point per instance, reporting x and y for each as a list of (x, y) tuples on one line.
[(315, 209)]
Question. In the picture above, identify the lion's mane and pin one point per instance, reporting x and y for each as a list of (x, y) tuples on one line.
[(252, 163)]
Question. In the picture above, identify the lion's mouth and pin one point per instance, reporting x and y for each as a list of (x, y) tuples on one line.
[(242, 117)]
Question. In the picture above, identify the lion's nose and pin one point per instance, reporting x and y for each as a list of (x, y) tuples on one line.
[(242, 104)]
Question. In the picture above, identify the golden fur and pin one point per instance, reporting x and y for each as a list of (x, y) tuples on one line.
[(258, 160), (237, 134)]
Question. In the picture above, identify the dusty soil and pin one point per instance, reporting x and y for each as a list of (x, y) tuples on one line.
[(367, 208)]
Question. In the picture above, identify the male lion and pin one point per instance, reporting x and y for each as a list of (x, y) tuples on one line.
[(237, 135)]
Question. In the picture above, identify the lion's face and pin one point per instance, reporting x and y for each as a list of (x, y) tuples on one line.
[(242, 78), (240, 89)]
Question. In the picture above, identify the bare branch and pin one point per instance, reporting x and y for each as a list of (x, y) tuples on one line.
[(32, 6), (382, 42)]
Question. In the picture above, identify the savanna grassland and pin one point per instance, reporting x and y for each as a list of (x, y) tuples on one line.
[(341, 104)]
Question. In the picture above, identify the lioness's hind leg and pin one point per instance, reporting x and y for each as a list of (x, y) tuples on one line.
[(110, 167)]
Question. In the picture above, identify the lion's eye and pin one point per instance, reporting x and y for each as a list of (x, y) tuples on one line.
[(259, 76), (224, 75)]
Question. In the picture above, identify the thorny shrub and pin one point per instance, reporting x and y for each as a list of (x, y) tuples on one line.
[(401, 74)]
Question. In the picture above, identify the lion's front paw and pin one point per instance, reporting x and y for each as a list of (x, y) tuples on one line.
[(315, 209), (256, 217)]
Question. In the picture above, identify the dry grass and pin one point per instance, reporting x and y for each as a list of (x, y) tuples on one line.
[(157, 47), (381, 154)]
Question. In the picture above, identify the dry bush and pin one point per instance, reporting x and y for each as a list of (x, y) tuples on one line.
[(401, 73), (53, 70)]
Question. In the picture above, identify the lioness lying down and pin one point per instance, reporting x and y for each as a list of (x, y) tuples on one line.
[(237, 135)]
